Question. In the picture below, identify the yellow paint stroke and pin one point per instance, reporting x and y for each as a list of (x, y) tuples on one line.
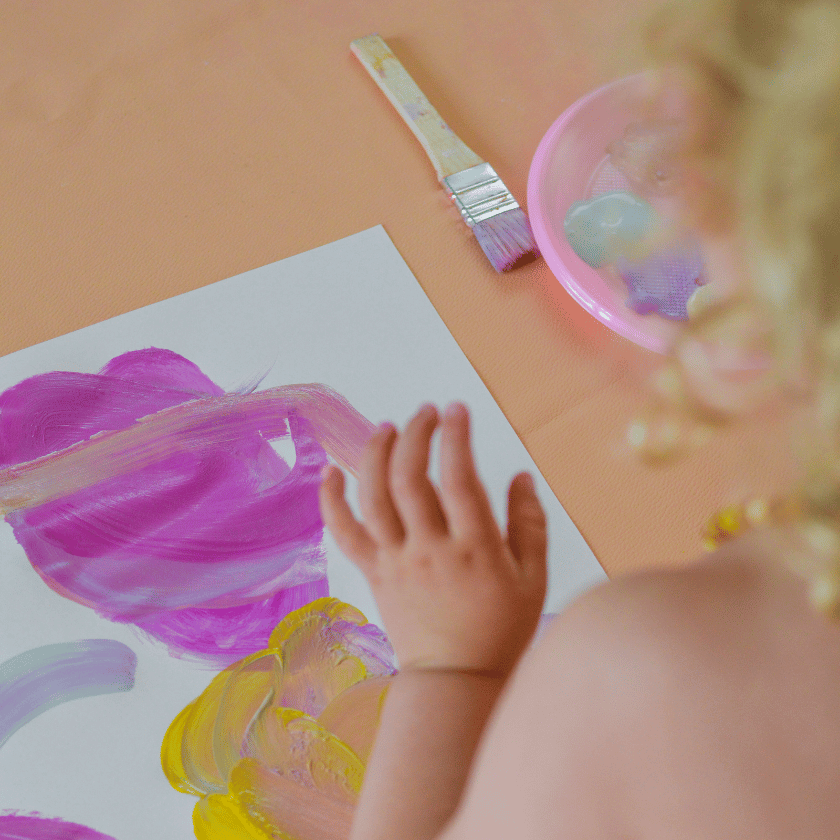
[(170, 755), (293, 744), (258, 761), (315, 668), (249, 689), (277, 803), (192, 742), (219, 817)]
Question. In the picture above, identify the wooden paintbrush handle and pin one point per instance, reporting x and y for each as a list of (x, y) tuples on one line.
[(447, 152)]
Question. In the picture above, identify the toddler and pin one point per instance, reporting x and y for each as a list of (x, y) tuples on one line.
[(699, 703)]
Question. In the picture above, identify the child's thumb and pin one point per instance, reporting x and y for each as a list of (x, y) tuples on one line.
[(527, 536)]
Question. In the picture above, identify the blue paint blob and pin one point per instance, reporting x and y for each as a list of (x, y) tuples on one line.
[(600, 232), (600, 228)]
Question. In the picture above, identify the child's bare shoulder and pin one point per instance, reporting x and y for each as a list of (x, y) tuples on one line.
[(728, 623), (727, 684), (699, 702)]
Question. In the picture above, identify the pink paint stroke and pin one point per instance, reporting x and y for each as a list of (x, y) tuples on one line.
[(150, 495), (17, 826)]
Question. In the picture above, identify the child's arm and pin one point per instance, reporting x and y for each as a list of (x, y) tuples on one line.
[(430, 728), (460, 603)]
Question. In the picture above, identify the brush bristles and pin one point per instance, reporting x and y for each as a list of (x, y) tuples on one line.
[(506, 239)]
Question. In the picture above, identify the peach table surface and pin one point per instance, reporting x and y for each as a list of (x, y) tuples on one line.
[(150, 147)]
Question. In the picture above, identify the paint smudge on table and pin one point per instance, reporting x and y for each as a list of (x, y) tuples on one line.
[(277, 744), (44, 677), (152, 496)]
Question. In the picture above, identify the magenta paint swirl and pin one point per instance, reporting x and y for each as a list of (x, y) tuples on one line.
[(16, 826), (228, 634), (147, 493)]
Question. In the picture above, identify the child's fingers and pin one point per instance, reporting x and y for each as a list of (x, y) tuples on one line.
[(527, 534), (378, 511), (349, 534), (463, 495), (413, 493)]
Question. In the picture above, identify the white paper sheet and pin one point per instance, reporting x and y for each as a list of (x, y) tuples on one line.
[(350, 315)]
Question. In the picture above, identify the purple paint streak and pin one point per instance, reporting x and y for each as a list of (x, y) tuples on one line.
[(44, 677), (150, 495), (16, 826), (664, 282)]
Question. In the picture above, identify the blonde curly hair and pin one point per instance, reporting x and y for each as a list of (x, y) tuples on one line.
[(762, 166)]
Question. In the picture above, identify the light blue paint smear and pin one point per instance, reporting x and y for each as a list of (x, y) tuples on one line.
[(602, 230), (44, 677), (599, 229)]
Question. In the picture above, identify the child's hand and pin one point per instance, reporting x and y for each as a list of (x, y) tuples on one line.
[(453, 592)]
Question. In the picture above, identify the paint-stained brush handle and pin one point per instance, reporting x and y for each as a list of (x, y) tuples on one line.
[(447, 152)]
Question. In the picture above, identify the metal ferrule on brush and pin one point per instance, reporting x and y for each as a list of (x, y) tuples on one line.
[(479, 193)]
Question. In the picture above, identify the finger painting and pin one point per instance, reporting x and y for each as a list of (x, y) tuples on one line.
[(278, 742), (234, 662), (188, 525)]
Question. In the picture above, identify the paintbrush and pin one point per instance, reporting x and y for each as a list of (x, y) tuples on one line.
[(486, 204)]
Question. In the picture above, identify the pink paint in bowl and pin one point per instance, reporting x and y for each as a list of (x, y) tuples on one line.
[(571, 164)]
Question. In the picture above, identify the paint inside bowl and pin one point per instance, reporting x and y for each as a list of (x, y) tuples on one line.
[(573, 164), (731, 363)]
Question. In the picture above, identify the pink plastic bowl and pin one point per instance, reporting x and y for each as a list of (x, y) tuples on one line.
[(569, 166)]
